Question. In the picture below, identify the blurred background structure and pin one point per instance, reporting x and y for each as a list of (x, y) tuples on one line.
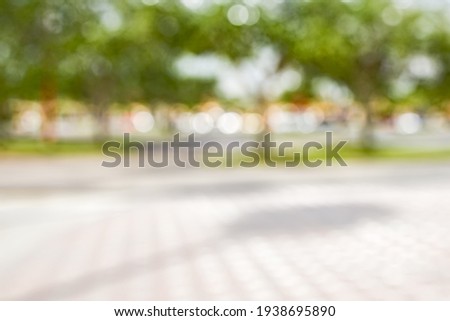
[(74, 74)]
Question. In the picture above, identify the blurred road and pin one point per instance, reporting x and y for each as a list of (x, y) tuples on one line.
[(72, 230)]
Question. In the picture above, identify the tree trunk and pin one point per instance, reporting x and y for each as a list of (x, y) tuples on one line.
[(5, 120), (367, 135), (262, 110), (365, 89), (49, 110), (100, 114), (100, 95)]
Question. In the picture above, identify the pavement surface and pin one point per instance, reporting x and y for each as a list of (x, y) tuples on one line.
[(72, 230)]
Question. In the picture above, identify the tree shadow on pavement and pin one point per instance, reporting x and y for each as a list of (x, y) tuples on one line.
[(305, 219), (297, 220)]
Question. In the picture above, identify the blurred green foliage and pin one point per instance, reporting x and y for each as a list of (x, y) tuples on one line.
[(106, 51)]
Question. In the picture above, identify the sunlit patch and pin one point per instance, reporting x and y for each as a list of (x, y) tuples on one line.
[(423, 67), (308, 121), (215, 110), (238, 15), (253, 15), (284, 81), (230, 123), (194, 5), (408, 123), (202, 123), (184, 123), (111, 19), (143, 121), (252, 123), (150, 2), (403, 4), (205, 66), (329, 90), (403, 86), (391, 17), (279, 121), (53, 21), (30, 121)]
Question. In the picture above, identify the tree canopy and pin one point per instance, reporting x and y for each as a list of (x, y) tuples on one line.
[(104, 51)]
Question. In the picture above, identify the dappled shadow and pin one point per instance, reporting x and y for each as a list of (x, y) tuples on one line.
[(304, 219), (297, 220), (222, 188)]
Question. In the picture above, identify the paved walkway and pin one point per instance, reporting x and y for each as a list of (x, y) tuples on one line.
[(70, 229)]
